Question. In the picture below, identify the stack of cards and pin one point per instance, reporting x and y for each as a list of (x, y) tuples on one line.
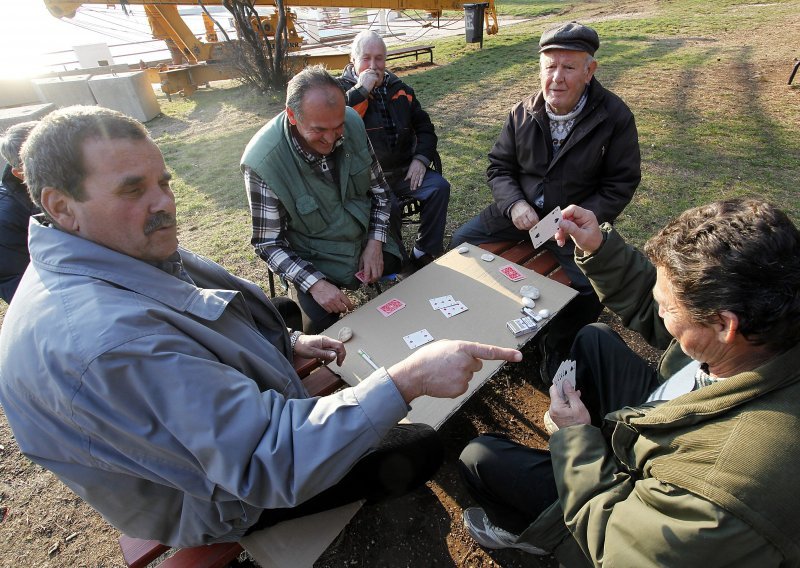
[(566, 372), (521, 326), (546, 228), (448, 305)]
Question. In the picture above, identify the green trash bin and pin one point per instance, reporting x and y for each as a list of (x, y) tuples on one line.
[(473, 22)]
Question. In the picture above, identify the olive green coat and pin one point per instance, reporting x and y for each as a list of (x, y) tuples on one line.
[(706, 479)]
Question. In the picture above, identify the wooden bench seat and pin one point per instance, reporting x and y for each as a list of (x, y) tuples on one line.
[(415, 50), (522, 252)]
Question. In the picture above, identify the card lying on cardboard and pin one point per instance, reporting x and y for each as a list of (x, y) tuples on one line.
[(421, 337), (511, 272), (442, 302), (546, 228), (391, 307), (454, 310)]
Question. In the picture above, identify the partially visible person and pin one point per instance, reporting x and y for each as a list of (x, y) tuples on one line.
[(160, 388), (319, 201), (403, 136), (691, 462), (573, 141), (16, 209)]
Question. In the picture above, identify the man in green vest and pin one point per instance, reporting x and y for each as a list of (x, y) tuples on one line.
[(692, 462), (318, 199)]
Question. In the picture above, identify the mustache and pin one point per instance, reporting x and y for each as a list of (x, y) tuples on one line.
[(160, 220)]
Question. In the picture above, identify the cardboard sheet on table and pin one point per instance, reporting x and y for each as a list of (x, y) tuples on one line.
[(491, 298)]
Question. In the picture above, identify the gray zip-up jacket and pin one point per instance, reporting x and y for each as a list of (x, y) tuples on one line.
[(172, 409)]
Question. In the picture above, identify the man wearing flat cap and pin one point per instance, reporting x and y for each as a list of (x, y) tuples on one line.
[(573, 142)]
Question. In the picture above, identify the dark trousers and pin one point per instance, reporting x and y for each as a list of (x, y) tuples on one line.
[(408, 456), (585, 309), (316, 318), (434, 194), (513, 483)]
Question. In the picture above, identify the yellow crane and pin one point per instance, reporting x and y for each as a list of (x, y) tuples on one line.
[(198, 62)]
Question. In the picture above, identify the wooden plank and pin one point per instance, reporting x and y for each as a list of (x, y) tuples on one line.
[(544, 263), (323, 382), (138, 552)]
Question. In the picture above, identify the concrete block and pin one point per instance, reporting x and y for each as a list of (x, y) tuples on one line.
[(129, 93), (17, 92), (12, 116), (65, 91)]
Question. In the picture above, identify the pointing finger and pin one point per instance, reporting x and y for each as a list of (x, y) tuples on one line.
[(492, 352)]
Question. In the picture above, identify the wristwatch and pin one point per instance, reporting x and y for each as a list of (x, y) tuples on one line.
[(293, 338)]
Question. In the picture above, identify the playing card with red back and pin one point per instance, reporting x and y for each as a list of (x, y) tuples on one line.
[(391, 307), (510, 272)]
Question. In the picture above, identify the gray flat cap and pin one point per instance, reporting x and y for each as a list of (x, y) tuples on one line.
[(572, 36)]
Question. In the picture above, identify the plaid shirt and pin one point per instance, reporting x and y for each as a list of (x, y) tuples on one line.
[(269, 216)]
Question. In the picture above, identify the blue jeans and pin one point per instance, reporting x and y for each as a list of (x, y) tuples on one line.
[(434, 194)]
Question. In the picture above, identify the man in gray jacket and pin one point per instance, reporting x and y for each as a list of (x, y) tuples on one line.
[(159, 387), (572, 142)]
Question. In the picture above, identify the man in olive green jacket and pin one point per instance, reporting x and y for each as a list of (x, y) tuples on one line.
[(698, 472)]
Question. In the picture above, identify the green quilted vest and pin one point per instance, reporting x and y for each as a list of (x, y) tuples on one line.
[(326, 224)]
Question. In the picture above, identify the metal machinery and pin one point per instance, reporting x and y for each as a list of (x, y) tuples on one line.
[(196, 62)]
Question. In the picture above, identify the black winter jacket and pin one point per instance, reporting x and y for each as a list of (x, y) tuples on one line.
[(598, 168), (416, 134)]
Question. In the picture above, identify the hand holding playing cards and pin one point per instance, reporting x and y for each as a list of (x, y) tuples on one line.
[(567, 410), (326, 349), (580, 224), (443, 369), (523, 215), (371, 261), (330, 297)]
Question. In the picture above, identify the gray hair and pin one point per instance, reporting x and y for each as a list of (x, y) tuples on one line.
[(53, 153), (11, 144), (363, 38), (313, 77)]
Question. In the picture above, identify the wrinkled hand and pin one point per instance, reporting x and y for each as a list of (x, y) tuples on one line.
[(523, 215), (326, 349), (369, 79), (371, 261), (581, 225), (567, 410), (443, 369), (415, 174), (330, 297)]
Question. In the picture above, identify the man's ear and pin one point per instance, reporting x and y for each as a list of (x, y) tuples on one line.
[(291, 116), (591, 70), (727, 326), (19, 173), (59, 206)]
